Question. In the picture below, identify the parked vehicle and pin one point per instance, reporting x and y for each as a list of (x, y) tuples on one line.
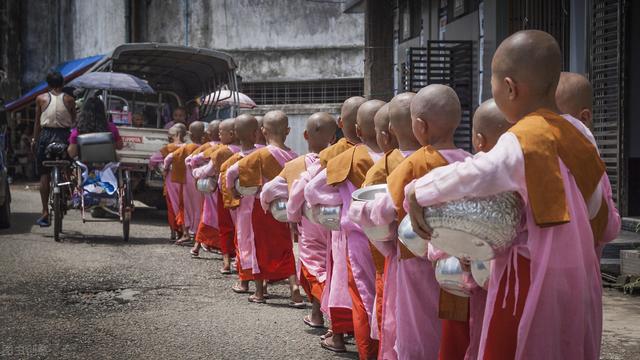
[(181, 76), (5, 193)]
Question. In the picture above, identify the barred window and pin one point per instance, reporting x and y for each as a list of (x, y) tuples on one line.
[(303, 92)]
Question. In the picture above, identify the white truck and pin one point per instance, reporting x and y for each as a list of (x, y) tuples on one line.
[(181, 76)]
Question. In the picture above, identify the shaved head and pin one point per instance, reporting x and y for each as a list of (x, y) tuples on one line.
[(381, 119), (532, 57), (260, 136), (226, 131), (196, 131), (178, 130), (575, 95), (320, 131), (365, 121), (276, 122), (489, 123), (384, 137), (437, 105), (245, 127), (400, 121), (227, 124), (213, 126), (348, 115)]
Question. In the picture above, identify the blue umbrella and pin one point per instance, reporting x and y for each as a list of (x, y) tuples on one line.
[(112, 81)]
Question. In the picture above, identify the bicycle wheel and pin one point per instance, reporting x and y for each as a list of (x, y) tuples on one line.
[(127, 206)]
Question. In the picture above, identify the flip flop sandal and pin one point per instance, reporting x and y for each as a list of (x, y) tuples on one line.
[(324, 345), (194, 253), (297, 305), (326, 335), (308, 322), (253, 299), (238, 290), (225, 271), (43, 222)]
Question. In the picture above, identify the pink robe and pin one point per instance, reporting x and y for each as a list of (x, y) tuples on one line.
[(411, 327), (562, 317), (244, 226), (200, 169), (350, 240), (172, 189)]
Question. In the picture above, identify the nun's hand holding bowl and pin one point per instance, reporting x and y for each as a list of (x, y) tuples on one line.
[(416, 214)]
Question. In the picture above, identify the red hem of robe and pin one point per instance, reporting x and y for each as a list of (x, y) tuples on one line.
[(341, 320), (208, 236), (312, 287), (502, 336), (274, 248), (367, 347), (226, 229)]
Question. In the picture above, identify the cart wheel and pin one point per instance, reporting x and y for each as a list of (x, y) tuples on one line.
[(127, 206), (57, 216)]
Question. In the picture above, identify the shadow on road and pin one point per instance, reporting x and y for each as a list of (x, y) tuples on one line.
[(21, 223)]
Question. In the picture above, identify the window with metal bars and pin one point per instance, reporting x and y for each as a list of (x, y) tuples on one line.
[(303, 92)]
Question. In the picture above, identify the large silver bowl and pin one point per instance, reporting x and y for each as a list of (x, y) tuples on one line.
[(481, 272), (450, 276), (475, 228), (417, 245), (374, 233), (207, 185), (245, 191), (328, 216), (278, 208)]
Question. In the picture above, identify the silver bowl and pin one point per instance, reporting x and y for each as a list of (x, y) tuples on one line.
[(328, 216), (374, 233), (278, 208), (450, 276), (481, 272), (475, 228), (307, 211), (207, 185), (245, 191), (413, 242)]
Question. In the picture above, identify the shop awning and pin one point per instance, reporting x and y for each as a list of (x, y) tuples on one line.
[(70, 70)]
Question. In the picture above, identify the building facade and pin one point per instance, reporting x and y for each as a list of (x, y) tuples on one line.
[(453, 41)]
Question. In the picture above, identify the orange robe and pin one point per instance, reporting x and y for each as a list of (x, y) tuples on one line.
[(171, 212)]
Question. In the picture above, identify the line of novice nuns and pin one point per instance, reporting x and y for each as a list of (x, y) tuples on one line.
[(498, 253)]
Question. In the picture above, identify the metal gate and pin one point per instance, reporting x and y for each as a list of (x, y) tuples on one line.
[(607, 72), (451, 63)]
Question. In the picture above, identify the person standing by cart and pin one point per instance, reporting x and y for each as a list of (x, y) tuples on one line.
[(55, 116)]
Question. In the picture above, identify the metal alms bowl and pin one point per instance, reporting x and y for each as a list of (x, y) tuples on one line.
[(450, 276), (207, 185), (328, 216), (475, 228), (417, 245), (481, 272), (368, 193), (278, 209), (245, 191)]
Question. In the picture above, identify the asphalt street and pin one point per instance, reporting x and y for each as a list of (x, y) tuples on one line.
[(94, 296)]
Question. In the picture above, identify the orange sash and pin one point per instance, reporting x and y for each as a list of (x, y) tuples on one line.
[(351, 165), (219, 155), (334, 150), (227, 198), (201, 148), (293, 169), (178, 167), (169, 148), (257, 166), (546, 136)]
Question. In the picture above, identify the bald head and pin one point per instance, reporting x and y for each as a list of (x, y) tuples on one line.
[(320, 131), (213, 130), (438, 107), (489, 123), (348, 115), (574, 96), (385, 139), (196, 131), (260, 136), (226, 131), (276, 122), (245, 127), (400, 121), (178, 131), (532, 58), (365, 121)]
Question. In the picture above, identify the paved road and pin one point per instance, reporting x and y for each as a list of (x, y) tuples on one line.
[(94, 296)]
